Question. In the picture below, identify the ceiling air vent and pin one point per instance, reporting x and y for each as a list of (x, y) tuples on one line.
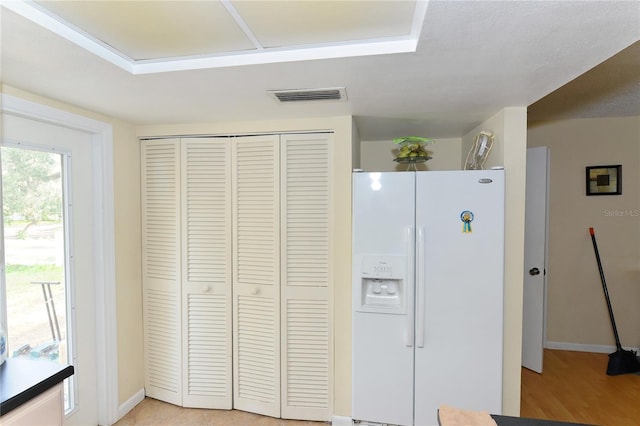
[(303, 95)]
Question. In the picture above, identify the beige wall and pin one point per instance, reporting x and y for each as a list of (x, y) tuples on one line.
[(377, 156), (126, 160), (576, 309), (126, 170), (342, 163), (509, 150), (355, 146)]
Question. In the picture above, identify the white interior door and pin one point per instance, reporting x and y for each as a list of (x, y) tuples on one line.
[(80, 247), (161, 269), (535, 260), (256, 284), (305, 276), (206, 273)]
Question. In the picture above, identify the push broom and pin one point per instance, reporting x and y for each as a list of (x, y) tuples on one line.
[(621, 361)]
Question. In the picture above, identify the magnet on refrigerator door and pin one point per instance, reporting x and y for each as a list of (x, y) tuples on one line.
[(466, 217)]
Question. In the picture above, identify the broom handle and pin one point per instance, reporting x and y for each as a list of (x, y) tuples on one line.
[(604, 287)]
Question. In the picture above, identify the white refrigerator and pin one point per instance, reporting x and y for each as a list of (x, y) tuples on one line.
[(428, 274)]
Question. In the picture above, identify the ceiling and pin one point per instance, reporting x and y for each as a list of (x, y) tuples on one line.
[(434, 69), (611, 89)]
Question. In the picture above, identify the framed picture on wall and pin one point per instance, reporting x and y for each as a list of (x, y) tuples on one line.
[(604, 180)]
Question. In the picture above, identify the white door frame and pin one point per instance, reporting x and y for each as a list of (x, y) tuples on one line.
[(104, 235)]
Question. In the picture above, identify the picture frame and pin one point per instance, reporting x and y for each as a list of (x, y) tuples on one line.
[(604, 180)]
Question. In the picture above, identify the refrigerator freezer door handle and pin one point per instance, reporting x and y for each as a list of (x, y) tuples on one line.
[(420, 258), (411, 266)]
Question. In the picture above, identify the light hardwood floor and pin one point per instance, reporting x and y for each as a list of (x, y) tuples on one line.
[(573, 388)]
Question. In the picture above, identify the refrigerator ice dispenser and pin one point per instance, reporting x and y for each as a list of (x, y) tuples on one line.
[(382, 286)]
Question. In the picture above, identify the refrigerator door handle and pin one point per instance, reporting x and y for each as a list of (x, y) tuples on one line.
[(420, 290), (411, 266)]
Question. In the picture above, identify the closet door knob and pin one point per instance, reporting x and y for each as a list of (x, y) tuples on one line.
[(255, 291), (205, 288)]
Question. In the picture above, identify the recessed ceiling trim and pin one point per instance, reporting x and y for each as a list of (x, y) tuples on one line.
[(269, 56), (418, 19), (38, 15), (243, 25), (406, 44)]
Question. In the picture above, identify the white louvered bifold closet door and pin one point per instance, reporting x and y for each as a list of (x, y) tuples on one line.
[(256, 298), (161, 269), (206, 273), (307, 348)]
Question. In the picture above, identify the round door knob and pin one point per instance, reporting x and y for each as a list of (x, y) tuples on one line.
[(534, 271), (205, 288), (255, 291)]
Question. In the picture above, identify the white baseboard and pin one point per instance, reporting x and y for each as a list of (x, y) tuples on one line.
[(341, 421), (128, 405), (579, 347)]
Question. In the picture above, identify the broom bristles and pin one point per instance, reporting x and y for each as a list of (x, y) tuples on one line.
[(623, 362)]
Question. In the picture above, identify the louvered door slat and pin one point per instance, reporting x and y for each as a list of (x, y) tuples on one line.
[(306, 277), (161, 269), (257, 274), (207, 359), (307, 355), (257, 372), (206, 278)]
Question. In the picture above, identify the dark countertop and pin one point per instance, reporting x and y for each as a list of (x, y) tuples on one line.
[(23, 379), (521, 421)]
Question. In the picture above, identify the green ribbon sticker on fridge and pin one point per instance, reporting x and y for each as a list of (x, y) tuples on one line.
[(466, 217)]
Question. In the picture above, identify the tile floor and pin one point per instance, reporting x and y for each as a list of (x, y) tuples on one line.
[(157, 413)]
